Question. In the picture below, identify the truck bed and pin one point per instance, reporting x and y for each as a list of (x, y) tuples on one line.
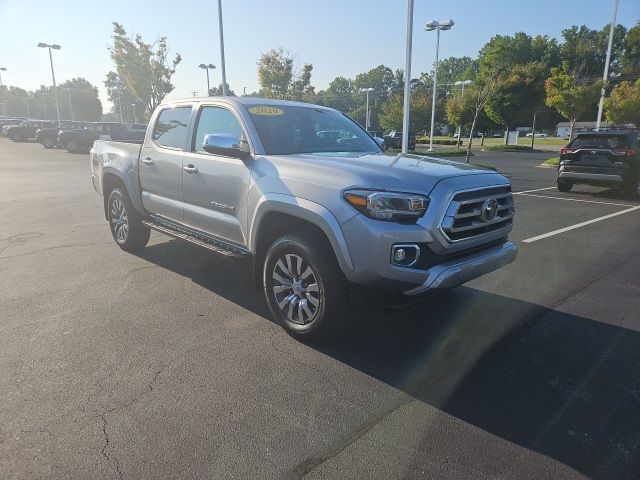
[(115, 156)]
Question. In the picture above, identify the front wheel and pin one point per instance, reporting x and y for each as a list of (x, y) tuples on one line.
[(564, 186), (304, 288), (16, 137), (126, 224), (48, 143), (71, 146)]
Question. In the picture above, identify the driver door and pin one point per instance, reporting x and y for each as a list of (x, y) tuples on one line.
[(215, 186)]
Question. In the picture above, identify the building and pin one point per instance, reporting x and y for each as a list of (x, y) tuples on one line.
[(563, 129)]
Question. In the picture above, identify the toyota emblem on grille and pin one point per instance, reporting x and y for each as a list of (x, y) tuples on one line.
[(593, 152), (489, 209)]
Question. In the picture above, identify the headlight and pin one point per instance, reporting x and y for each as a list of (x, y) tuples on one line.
[(388, 205)]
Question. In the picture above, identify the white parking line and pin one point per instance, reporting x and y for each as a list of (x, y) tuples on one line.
[(536, 190), (578, 200), (578, 225)]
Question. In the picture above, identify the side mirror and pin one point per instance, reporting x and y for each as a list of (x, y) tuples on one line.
[(380, 142), (223, 144)]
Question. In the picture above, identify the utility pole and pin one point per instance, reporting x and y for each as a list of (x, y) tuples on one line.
[(605, 77), (407, 78), (2, 105)]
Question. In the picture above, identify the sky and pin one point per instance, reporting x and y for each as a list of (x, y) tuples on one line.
[(339, 37)]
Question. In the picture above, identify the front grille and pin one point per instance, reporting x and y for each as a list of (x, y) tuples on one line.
[(464, 218)]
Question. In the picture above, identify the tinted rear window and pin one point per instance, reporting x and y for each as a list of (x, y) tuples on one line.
[(600, 141), (171, 128)]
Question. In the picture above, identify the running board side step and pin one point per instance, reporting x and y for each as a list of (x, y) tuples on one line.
[(202, 240)]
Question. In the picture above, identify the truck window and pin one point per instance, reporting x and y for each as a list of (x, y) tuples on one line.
[(171, 127), (215, 120)]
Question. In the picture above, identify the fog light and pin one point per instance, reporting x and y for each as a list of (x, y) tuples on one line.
[(405, 255), (399, 255)]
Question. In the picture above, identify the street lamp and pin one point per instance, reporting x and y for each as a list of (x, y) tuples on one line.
[(224, 75), (437, 26), (605, 77), (135, 119), (2, 69), (367, 91), (53, 75), (207, 68), (461, 83), (120, 85)]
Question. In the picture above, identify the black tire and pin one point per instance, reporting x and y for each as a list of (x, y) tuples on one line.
[(16, 137), (330, 291), (125, 222), (48, 143), (71, 146), (564, 186)]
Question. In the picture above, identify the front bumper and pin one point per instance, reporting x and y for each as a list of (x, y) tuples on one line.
[(459, 271)]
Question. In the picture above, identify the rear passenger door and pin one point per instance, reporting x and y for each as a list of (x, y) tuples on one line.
[(161, 163)]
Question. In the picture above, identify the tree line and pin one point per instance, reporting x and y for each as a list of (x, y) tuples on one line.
[(513, 78)]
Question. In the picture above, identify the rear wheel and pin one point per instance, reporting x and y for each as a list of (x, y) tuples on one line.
[(125, 222), (48, 143), (71, 146), (16, 137), (304, 288), (564, 186)]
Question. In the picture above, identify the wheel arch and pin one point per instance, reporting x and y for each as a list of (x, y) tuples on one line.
[(112, 178), (277, 215)]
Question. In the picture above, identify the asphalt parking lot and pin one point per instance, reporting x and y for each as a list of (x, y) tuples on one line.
[(166, 365)]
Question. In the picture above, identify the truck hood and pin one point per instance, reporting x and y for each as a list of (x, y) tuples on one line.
[(409, 173)]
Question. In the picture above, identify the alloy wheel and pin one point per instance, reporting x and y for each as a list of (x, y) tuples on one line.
[(119, 220), (296, 289)]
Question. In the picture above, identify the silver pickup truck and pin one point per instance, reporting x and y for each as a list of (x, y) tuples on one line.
[(311, 197)]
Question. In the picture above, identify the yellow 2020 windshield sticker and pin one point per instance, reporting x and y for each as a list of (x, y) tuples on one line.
[(266, 111)]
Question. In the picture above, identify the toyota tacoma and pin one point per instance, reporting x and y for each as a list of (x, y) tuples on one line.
[(316, 213)]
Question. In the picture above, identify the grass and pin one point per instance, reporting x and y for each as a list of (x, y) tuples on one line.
[(553, 161), (444, 152), (506, 148), (524, 141)]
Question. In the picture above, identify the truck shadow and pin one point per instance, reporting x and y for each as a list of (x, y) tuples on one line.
[(559, 384)]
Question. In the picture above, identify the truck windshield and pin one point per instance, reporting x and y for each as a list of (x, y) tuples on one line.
[(287, 129)]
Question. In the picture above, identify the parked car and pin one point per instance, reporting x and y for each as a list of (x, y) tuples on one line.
[(82, 140), (538, 135), (9, 122), (394, 140), (26, 130), (251, 178), (602, 159), (48, 137)]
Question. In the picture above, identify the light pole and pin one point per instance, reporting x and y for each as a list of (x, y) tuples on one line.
[(605, 77), (26, 101), (224, 75), (437, 26), (68, 90), (461, 83), (53, 75), (44, 105), (366, 121), (206, 68), (407, 78), (2, 110), (135, 117)]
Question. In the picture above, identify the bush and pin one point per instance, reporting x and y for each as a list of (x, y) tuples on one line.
[(436, 141), (554, 161), (507, 148)]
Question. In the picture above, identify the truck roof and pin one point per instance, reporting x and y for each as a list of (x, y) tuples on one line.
[(247, 101)]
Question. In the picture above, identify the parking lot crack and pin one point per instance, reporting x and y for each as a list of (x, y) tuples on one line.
[(103, 416)]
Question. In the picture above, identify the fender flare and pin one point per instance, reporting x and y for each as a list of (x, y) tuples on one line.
[(305, 210), (130, 184)]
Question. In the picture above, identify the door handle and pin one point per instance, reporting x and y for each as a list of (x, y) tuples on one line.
[(147, 161), (191, 168)]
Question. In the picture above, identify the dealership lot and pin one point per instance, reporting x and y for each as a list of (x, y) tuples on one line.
[(166, 364)]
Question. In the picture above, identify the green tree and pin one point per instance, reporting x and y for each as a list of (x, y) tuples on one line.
[(630, 59), (145, 68), (503, 52), (339, 95), (117, 91), (519, 93), (420, 113), (83, 97), (452, 69), (278, 79), (217, 91), (623, 105), (584, 51), (569, 96)]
